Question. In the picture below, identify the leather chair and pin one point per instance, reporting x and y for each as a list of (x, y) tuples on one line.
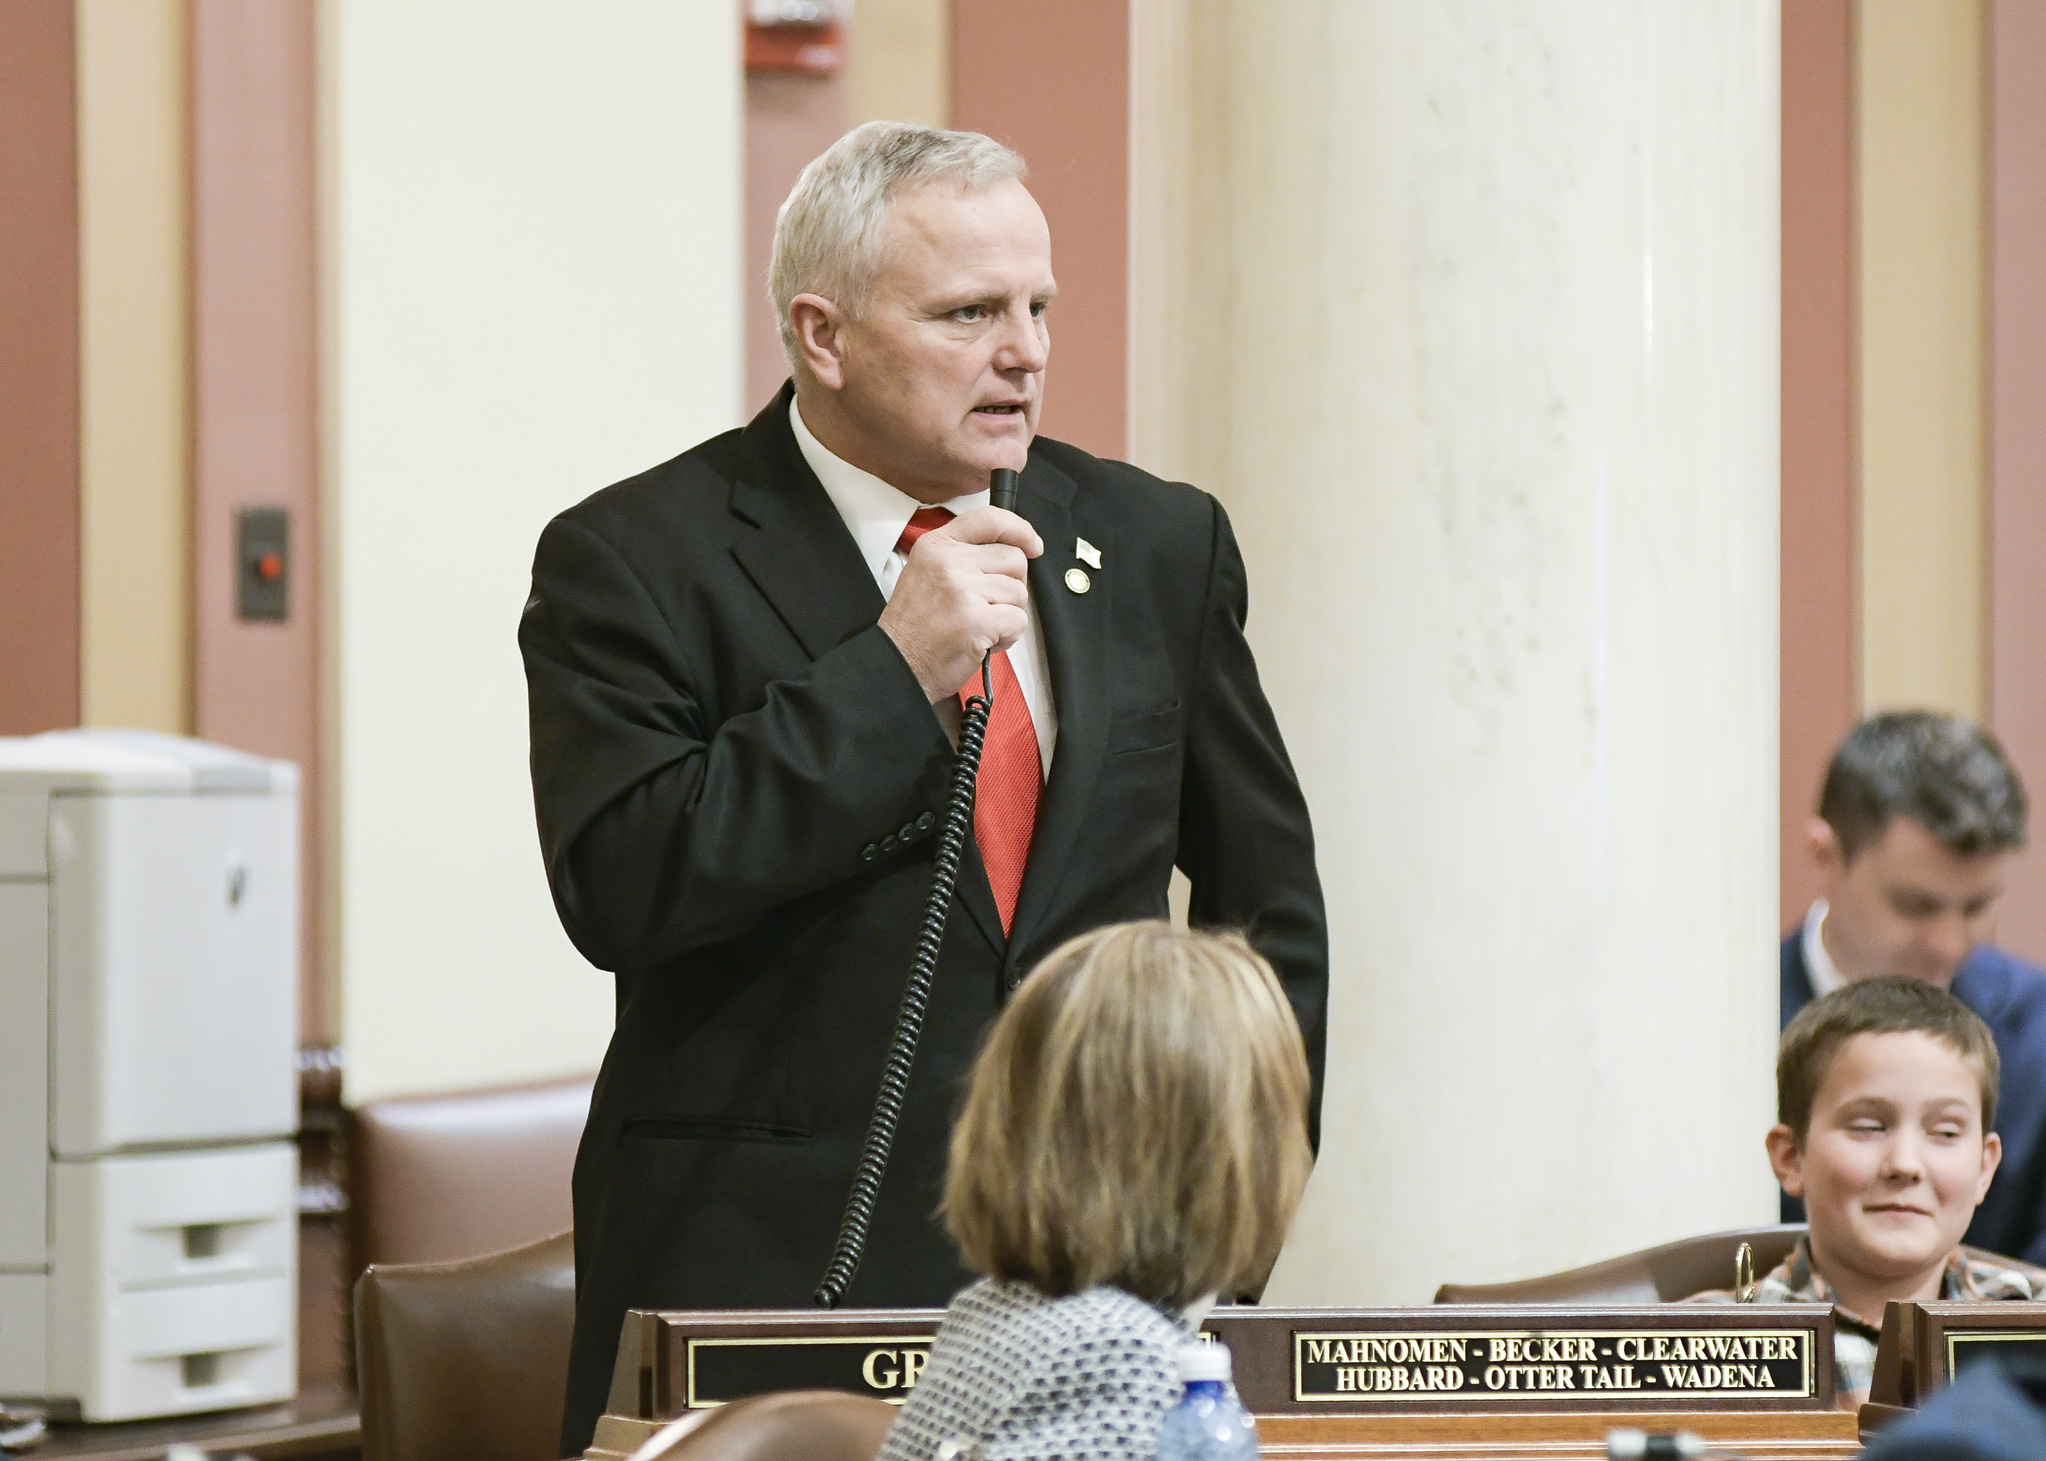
[(790, 1425), (434, 1178), (1653, 1276), (466, 1361)]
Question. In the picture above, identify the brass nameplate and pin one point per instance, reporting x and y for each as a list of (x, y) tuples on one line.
[(1323, 1362), (2006, 1344), (886, 1367), (1337, 1367), (1925, 1344)]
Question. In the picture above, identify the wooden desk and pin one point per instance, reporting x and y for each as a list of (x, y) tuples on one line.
[(1816, 1435), (1296, 1370), (1811, 1435), (1923, 1344), (319, 1424)]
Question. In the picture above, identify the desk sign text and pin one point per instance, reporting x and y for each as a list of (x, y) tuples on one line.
[(1580, 1364), (886, 1367)]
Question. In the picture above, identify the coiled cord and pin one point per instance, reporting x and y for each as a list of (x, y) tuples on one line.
[(916, 996)]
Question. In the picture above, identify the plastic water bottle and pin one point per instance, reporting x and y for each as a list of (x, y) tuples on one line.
[(1209, 1423)]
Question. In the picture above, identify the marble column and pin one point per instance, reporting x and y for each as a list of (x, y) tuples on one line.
[(1469, 312)]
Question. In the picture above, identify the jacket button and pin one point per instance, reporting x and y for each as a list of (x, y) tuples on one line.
[(906, 831), (888, 843), (868, 853), (926, 822)]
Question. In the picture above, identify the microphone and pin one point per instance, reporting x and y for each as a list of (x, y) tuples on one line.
[(1002, 488)]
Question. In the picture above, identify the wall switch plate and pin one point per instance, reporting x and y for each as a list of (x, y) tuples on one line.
[(262, 555)]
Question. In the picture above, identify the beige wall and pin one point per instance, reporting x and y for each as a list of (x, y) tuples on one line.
[(1179, 183), (1919, 176), (899, 62), (532, 237), (134, 377)]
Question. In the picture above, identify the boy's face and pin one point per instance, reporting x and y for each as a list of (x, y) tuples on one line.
[(1895, 1159)]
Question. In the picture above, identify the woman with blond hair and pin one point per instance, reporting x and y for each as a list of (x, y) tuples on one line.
[(1133, 1144)]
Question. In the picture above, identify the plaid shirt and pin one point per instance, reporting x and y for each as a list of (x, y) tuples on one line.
[(1970, 1275)]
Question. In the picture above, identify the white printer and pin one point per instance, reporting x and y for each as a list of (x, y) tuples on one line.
[(148, 1021)]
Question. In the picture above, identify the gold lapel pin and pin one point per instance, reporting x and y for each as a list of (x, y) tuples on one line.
[(1078, 581)]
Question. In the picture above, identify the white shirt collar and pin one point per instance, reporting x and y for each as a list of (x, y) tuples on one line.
[(1818, 964), (874, 512)]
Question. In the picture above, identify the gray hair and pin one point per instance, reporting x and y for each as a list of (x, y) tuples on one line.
[(828, 234)]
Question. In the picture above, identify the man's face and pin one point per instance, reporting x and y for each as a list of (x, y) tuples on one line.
[(1905, 904), (1895, 1160), (943, 376)]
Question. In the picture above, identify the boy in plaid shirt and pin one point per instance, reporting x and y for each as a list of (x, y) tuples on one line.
[(1885, 1092)]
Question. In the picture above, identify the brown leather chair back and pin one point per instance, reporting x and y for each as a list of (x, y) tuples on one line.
[(790, 1425), (433, 1178), (1653, 1276), (466, 1361)]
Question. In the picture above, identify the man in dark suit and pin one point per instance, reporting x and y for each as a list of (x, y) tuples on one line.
[(745, 668), (1919, 814)]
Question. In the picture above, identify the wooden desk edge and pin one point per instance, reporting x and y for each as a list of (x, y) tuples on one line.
[(1874, 1415), (1780, 1435), (318, 1423)]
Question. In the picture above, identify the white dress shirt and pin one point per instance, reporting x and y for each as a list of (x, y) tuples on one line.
[(875, 514), (1825, 974)]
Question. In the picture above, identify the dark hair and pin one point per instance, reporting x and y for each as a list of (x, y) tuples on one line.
[(1891, 1005), (1943, 772)]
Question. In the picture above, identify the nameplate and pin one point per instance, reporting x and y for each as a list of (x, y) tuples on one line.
[(1925, 1345), (885, 1366), (2009, 1346), (1445, 1358), (1491, 1366)]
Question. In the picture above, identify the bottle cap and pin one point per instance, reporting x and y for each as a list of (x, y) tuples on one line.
[(1203, 1361)]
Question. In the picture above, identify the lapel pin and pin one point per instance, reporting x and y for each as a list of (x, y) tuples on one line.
[(1087, 553), (1077, 580)]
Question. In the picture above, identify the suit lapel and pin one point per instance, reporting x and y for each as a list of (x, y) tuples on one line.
[(806, 565), (1076, 643), (802, 560)]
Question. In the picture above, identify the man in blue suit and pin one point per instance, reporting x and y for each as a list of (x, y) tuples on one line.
[(1919, 814)]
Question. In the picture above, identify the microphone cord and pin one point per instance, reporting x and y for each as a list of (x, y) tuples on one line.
[(916, 995), (923, 971)]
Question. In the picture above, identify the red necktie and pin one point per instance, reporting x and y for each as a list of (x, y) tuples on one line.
[(1011, 772)]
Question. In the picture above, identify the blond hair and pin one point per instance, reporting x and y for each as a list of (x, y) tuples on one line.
[(828, 235), (1137, 1118)]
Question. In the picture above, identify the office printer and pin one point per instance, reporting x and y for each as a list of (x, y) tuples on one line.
[(149, 931)]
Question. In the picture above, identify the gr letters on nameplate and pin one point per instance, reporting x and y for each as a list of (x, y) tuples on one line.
[(1444, 1358)]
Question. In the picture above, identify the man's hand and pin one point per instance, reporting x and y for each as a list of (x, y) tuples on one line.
[(961, 594)]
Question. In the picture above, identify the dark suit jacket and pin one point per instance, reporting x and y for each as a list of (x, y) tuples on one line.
[(723, 737), (2010, 996)]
